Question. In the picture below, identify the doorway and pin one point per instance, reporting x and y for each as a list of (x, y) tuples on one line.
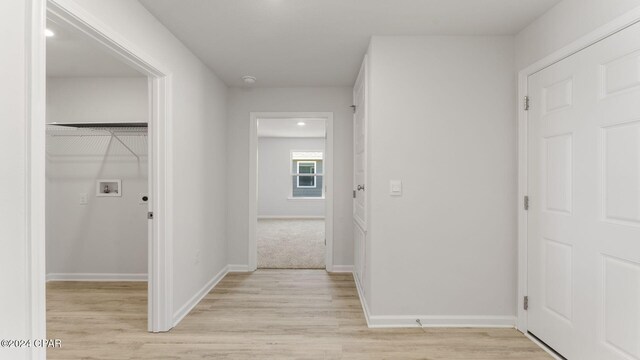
[(146, 139), (291, 191), (97, 180)]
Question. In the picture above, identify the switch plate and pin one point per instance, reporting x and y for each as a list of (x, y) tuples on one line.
[(84, 199), (395, 188)]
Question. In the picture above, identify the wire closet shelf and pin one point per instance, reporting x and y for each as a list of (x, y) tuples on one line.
[(93, 138)]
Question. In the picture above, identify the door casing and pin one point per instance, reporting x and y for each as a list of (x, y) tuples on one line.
[(160, 313)]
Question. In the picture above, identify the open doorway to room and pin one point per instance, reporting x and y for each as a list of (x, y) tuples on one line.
[(98, 187), (291, 197), (293, 191)]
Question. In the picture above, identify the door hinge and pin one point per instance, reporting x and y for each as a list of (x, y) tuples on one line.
[(526, 202), (150, 215), (353, 107), (526, 103), (354, 194), (526, 303)]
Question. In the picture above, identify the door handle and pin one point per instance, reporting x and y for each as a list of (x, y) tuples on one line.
[(360, 187)]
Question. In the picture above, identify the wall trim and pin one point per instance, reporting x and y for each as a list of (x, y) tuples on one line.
[(34, 165), (448, 321), (342, 269), (197, 297), (628, 19), (95, 277), (363, 301), (238, 268), (292, 217)]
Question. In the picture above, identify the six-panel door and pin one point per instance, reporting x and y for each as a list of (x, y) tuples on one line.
[(584, 214)]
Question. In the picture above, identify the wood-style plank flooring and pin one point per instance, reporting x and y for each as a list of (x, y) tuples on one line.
[(268, 314)]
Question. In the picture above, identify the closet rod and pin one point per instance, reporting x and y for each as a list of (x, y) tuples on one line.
[(103, 135), (102, 125)]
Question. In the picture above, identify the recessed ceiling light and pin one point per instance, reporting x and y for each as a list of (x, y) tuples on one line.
[(249, 80), (301, 123), (49, 33)]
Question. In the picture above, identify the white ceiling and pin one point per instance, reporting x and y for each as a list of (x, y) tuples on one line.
[(72, 54), (289, 128), (322, 42)]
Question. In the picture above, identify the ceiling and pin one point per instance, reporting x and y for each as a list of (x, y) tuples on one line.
[(322, 42), (72, 54), (313, 128)]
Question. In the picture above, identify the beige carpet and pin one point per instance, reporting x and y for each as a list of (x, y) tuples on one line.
[(291, 244)]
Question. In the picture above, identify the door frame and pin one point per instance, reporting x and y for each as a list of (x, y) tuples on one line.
[(160, 248), (628, 19), (253, 181)]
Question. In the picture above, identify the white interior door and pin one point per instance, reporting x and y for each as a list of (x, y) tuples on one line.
[(584, 215), (360, 175)]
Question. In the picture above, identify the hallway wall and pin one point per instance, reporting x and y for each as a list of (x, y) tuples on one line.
[(242, 102), (564, 23), (442, 120)]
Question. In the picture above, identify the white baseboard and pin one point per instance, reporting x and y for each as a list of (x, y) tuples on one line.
[(363, 300), (449, 321), (195, 299), (342, 269), (238, 268), (95, 277), (407, 321), (292, 217)]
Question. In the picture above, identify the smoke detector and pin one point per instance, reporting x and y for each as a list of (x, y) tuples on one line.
[(249, 80)]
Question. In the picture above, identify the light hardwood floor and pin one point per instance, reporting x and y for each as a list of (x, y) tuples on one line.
[(268, 314)]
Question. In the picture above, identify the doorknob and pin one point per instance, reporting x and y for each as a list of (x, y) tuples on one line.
[(360, 187)]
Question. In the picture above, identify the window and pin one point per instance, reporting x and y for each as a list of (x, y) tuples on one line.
[(306, 167), (306, 173)]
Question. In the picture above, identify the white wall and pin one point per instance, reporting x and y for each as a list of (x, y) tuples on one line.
[(274, 178), (108, 235), (566, 22), (108, 99), (14, 297), (198, 111), (244, 101), (442, 120)]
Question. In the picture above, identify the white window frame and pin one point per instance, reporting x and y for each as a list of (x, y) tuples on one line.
[(314, 173)]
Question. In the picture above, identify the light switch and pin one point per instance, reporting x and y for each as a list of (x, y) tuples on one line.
[(395, 187), (84, 199)]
